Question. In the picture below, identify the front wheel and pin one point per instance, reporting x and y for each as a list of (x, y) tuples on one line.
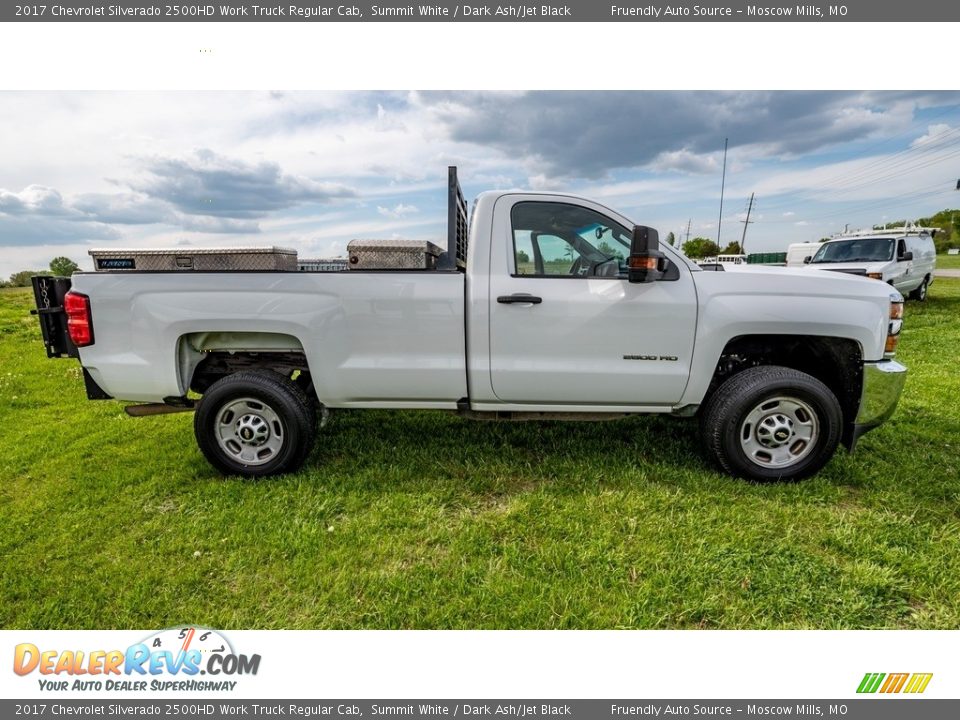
[(772, 423), (255, 423), (921, 292)]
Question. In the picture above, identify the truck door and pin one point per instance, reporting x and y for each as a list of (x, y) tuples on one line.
[(566, 326), (903, 279)]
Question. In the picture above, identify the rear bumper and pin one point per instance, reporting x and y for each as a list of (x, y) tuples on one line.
[(882, 384)]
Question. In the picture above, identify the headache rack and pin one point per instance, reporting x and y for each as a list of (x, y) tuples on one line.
[(455, 258)]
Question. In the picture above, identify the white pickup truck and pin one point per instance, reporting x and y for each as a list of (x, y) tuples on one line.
[(550, 307)]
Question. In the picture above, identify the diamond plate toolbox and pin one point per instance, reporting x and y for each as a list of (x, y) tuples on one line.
[(195, 259), (392, 254)]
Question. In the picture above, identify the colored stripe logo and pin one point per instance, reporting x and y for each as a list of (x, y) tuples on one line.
[(894, 682)]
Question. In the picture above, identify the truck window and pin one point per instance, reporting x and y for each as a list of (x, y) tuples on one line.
[(523, 254), (563, 240)]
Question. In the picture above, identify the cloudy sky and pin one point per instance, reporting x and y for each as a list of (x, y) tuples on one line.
[(314, 170)]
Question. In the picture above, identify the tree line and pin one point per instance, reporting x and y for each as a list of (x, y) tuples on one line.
[(61, 266)]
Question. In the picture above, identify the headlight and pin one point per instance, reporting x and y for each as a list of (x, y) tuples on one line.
[(875, 276), (894, 326)]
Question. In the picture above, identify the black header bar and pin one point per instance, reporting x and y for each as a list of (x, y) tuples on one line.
[(448, 11)]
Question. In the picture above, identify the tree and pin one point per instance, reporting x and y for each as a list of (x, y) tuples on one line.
[(732, 248), (671, 239), (22, 278), (948, 221), (522, 256), (63, 266), (700, 247), (610, 251)]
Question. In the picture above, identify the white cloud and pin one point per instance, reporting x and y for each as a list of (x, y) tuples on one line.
[(687, 161), (34, 200), (397, 211), (934, 132)]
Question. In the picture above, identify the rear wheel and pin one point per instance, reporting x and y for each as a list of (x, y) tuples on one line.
[(772, 423), (255, 423)]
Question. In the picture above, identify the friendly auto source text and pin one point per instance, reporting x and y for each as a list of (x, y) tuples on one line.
[(668, 11)]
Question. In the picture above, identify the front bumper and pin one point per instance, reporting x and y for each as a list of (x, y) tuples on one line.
[(882, 384)]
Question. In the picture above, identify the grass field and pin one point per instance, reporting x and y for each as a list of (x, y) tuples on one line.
[(405, 520), (951, 262)]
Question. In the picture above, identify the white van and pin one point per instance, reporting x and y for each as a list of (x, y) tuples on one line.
[(798, 252), (902, 257)]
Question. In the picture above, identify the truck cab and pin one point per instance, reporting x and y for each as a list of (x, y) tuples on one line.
[(562, 313)]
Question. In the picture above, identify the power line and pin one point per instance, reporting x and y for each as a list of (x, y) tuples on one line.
[(881, 169), (899, 201)]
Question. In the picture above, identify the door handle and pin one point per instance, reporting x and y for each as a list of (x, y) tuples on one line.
[(520, 298)]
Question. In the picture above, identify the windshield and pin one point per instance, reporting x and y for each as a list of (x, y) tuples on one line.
[(855, 250)]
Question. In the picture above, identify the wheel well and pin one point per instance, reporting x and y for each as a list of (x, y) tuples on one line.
[(219, 364), (205, 357), (836, 362)]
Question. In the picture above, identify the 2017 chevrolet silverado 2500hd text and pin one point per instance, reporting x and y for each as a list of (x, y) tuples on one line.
[(551, 307)]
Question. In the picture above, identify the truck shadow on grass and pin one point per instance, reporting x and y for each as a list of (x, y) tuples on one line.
[(396, 451), (391, 449)]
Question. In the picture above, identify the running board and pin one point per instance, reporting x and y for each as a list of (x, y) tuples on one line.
[(148, 409)]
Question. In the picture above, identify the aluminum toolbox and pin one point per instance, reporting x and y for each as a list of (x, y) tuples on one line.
[(392, 255), (223, 259)]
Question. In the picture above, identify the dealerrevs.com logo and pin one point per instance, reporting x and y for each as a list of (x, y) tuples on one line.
[(888, 683), (178, 659)]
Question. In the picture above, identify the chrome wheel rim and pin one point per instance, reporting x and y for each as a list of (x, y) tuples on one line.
[(249, 431), (779, 432)]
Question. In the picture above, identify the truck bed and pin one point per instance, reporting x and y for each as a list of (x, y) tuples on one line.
[(390, 339)]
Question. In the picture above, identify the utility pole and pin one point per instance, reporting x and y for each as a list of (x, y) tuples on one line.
[(723, 182), (688, 230), (743, 240)]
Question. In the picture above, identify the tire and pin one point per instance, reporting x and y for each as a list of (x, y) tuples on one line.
[(920, 294), (255, 423), (771, 423)]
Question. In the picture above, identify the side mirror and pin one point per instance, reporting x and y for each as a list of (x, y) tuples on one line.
[(906, 256), (807, 259), (646, 263)]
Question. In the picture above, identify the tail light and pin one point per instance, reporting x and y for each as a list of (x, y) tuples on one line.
[(895, 325), (79, 323)]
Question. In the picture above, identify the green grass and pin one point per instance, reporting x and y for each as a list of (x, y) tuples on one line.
[(948, 262), (423, 520)]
